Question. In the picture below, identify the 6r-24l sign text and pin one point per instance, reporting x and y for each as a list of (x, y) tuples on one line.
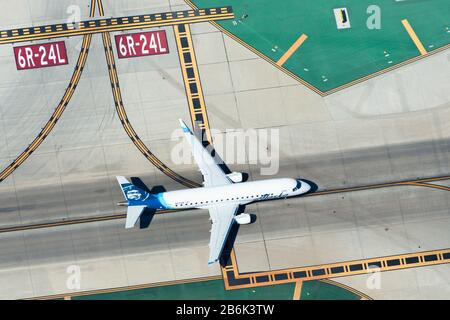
[(141, 44)]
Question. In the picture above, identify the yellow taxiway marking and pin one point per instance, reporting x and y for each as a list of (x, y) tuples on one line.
[(297, 290), (414, 37), (339, 269), (120, 108), (429, 185), (89, 26), (196, 100), (292, 49), (59, 109)]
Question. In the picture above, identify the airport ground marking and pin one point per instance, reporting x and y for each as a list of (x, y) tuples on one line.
[(191, 79), (298, 275), (428, 185), (424, 182), (307, 84), (74, 221), (260, 54), (194, 91), (292, 50), (297, 290), (114, 24), (414, 37), (333, 270), (120, 108), (272, 277), (59, 109), (188, 45)]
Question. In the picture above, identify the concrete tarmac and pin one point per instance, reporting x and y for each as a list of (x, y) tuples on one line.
[(393, 127)]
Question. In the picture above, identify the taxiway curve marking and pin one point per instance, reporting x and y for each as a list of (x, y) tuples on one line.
[(59, 109)]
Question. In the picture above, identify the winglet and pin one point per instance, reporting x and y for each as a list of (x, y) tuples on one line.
[(184, 126)]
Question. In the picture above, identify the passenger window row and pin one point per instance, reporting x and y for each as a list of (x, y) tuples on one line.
[(221, 200)]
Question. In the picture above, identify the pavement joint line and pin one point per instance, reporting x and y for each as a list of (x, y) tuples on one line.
[(414, 37), (292, 49)]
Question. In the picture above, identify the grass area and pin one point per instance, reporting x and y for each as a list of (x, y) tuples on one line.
[(330, 57)]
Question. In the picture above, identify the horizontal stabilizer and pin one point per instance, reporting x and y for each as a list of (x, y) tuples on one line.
[(133, 214)]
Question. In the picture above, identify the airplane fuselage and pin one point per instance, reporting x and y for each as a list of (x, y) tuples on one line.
[(241, 193)]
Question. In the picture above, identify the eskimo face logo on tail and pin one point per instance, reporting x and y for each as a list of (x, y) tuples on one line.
[(134, 194)]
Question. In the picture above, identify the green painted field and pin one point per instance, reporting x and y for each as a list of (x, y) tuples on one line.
[(214, 290), (318, 290), (204, 290), (330, 57)]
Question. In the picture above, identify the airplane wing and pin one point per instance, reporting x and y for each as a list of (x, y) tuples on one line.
[(213, 175), (222, 218)]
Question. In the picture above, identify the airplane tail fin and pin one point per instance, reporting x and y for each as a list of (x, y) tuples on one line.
[(135, 197)]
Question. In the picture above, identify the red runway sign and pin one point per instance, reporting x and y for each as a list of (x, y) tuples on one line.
[(141, 44), (40, 55)]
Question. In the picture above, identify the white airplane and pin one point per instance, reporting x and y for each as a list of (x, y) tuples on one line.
[(222, 194)]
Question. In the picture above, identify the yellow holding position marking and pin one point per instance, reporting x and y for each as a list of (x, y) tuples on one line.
[(414, 37)]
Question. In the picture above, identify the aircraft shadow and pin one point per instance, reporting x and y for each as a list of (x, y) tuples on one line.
[(146, 218), (226, 253), (314, 186), (139, 183), (225, 257), (210, 148)]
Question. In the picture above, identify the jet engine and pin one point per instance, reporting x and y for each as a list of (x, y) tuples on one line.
[(235, 176), (243, 218)]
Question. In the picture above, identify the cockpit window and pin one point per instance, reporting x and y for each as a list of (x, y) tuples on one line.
[(298, 185)]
